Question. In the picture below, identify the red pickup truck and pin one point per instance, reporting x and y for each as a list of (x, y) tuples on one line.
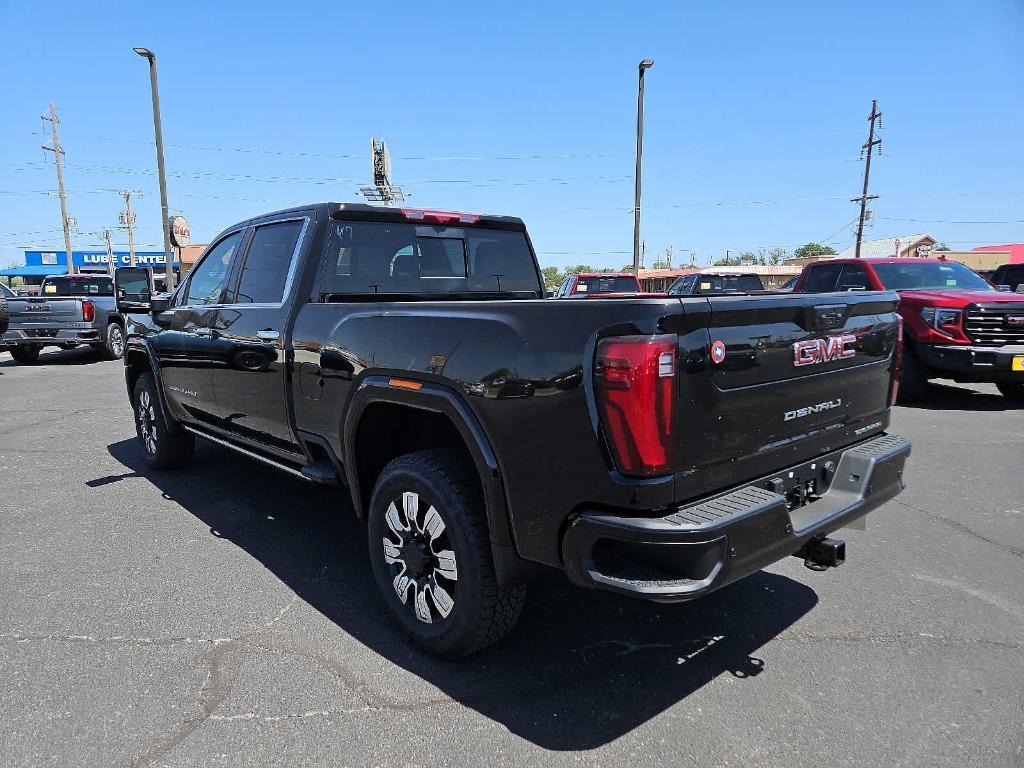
[(955, 324)]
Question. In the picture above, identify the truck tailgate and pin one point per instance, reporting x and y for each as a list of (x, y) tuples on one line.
[(787, 377), (41, 313)]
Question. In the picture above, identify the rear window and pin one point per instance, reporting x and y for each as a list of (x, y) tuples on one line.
[(376, 257), (607, 285), (77, 286), (930, 275)]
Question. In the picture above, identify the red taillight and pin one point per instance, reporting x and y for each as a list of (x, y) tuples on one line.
[(88, 311), (635, 383), (897, 363), (441, 217)]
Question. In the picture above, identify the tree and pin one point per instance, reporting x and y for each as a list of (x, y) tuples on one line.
[(809, 250), (553, 277), (941, 247), (660, 264), (777, 255)]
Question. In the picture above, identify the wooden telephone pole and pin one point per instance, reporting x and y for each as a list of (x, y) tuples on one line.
[(128, 221), (58, 155), (864, 196)]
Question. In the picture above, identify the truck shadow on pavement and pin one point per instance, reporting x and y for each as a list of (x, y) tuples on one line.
[(946, 397), (77, 356), (581, 669)]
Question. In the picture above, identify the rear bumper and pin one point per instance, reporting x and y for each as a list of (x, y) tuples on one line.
[(701, 547), (81, 333), (971, 363)]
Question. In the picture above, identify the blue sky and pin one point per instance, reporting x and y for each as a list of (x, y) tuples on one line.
[(755, 113)]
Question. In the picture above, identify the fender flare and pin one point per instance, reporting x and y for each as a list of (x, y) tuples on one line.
[(136, 344), (444, 400)]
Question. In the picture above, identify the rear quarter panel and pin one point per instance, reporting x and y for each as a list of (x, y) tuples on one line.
[(523, 368)]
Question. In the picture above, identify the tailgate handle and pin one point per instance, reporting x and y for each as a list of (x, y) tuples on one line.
[(828, 317)]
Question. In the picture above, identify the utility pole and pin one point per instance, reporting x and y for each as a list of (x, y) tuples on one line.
[(110, 252), (864, 196), (58, 154), (128, 221), (643, 66)]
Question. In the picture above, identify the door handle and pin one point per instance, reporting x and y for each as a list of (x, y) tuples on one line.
[(206, 333), (268, 334)]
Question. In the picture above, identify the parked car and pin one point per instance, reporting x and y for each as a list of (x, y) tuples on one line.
[(956, 325), (710, 284), (659, 447), (1009, 275), (593, 283), (71, 311), (5, 294)]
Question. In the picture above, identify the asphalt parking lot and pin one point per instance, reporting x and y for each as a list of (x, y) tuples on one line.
[(225, 615)]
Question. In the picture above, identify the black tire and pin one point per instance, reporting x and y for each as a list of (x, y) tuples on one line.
[(1012, 389), (162, 449), (913, 377), (479, 611), (113, 345), (24, 353)]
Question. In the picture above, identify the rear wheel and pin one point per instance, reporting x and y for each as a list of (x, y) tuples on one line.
[(431, 556), (1012, 389), (113, 348), (25, 353), (163, 449), (913, 377)]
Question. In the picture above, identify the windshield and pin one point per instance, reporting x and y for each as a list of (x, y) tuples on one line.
[(606, 285), (374, 257), (6, 292), (930, 275), (78, 286)]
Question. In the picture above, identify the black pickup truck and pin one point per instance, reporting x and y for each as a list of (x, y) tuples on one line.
[(660, 447)]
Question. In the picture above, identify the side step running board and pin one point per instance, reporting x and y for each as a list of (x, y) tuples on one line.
[(251, 454)]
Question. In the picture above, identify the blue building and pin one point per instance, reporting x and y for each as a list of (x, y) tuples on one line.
[(39, 264)]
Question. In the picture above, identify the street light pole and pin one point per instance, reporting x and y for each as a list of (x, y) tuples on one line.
[(164, 221), (644, 65)]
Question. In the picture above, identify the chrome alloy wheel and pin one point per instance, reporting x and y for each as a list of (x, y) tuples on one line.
[(146, 415), (115, 338), (419, 554)]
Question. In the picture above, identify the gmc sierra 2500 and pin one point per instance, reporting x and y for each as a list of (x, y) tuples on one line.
[(659, 447)]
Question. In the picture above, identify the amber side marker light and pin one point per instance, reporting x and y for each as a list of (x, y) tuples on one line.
[(404, 384)]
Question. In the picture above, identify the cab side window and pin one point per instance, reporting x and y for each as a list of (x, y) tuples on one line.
[(822, 278), (267, 262), (208, 279)]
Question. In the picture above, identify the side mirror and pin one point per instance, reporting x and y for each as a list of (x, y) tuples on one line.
[(133, 289)]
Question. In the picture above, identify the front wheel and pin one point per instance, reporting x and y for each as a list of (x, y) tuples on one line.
[(163, 449), (1012, 389), (24, 353), (431, 556)]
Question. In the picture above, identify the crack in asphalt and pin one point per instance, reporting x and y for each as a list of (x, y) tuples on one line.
[(226, 662), (898, 637), (963, 528)]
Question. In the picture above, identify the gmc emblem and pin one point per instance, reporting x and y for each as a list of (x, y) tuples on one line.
[(814, 351), (1015, 320)]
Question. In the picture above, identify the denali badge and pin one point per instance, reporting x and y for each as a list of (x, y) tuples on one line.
[(799, 413), (1015, 320), (814, 351)]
